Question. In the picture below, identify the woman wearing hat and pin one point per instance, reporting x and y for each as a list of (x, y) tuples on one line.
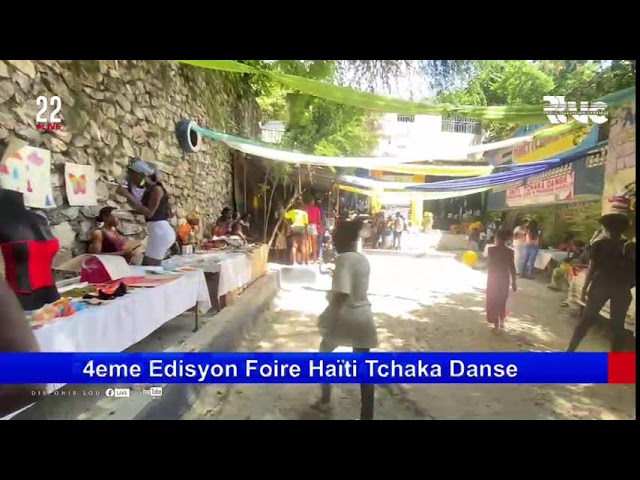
[(610, 277), (154, 205)]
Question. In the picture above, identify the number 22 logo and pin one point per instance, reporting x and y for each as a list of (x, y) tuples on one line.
[(44, 103)]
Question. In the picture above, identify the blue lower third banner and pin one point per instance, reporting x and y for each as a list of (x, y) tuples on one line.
[(380, 368)]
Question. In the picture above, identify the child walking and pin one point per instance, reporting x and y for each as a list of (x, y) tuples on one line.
[(501, 274)]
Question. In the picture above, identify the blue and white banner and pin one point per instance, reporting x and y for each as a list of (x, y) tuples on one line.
[(380, 368)]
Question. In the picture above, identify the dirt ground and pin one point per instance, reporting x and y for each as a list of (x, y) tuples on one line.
[(425, 302)]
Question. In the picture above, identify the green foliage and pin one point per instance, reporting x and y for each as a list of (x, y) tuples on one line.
[(314, 125), (503, 82), (557, 221), (518, 82), (319, 127)]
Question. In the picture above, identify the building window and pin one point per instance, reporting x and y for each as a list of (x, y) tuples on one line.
[(406, 118), (461, 125)]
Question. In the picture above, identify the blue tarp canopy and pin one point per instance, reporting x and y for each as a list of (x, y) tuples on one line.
[(504, 174)]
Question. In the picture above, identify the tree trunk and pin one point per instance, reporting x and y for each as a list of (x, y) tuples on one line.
[(270, 206), (275, 230)]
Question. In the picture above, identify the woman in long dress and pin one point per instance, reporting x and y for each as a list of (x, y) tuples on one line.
[(348, 320), (501, 274)]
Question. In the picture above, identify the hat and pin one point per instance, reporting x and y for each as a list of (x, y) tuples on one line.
[(141, 166), (619, 204), (617, 219), (193, 217)]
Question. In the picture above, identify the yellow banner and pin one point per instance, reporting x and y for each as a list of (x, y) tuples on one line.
[(545, 148), (412, 195), (436, 170)]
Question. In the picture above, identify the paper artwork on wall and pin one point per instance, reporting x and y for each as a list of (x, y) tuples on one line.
[(27, 170), (80, 182)]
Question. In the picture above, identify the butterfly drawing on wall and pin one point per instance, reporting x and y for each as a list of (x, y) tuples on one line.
[(79, 183)]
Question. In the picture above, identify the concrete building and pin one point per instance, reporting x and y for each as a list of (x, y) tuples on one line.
[(273, 131), (410, 134)]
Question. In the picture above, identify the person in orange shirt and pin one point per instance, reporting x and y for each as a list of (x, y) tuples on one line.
[(192, 225)]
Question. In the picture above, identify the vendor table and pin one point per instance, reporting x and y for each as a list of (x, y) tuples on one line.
[(124, 321), (576, 282), (236, 269), (546, 256)]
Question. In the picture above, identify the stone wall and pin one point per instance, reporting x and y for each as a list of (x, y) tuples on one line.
[(115, 109)]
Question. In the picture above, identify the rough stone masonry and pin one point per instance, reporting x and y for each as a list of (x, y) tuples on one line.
[(114, 109)]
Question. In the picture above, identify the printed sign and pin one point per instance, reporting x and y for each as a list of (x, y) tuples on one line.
[(621, 153), (550, 190)]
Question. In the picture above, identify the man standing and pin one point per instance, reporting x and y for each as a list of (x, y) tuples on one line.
[(298, 220), (518, 243), (611, 276), (399, 226)]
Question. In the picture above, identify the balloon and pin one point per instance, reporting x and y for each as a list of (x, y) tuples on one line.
[(470, 258)]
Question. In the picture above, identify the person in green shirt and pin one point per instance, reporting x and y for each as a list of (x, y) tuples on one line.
[(298, 220)]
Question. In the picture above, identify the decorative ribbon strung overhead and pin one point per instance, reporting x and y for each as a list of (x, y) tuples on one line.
[(408, 195), (507, 174), (522, 114), (252, 147)]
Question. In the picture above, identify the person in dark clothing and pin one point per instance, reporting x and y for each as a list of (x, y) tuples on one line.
[(610, 277), (155, 207)]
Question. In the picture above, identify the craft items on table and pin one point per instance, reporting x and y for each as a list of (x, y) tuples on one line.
[(80, 183), (27, 170), (27, 246), (65, 307), (98, 268)]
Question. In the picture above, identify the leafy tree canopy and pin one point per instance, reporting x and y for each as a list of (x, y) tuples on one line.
[(519, 82), (319, 126)]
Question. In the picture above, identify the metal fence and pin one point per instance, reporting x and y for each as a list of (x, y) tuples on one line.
[(461, 125), (272, 136)]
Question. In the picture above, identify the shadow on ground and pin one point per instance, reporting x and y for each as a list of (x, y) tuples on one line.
[(432, 304)]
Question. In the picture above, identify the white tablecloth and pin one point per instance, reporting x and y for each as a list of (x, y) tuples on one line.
[(124, 321), (234, 267), (545, 256)]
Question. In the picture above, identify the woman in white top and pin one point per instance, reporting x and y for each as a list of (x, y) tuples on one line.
[(532, 238), (348, 320), (518, 244)]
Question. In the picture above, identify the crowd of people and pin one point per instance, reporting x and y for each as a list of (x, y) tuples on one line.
[(609, 260), (389, 226), (300, 231), (146, 195)]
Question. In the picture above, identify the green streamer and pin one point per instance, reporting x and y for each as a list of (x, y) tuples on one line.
[(523, 114)]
